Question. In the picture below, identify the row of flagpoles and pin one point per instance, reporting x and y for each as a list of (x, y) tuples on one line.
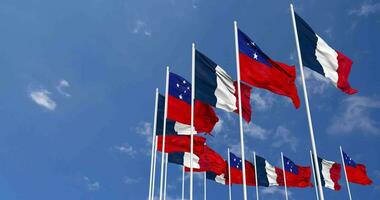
[(257, 54)]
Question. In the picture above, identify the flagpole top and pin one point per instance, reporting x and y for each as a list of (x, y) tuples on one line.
[(156, 90)]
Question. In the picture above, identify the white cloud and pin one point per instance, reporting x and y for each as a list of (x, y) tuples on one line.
[(91, 185), (141, 27), (41, 97), (262, 100), (315, 82), (283, 137), (145, 129), (218, 127), (130, 180), (255, 131), (126, 149), (356, 115), (274, 190), (365, 9), (60, 87)]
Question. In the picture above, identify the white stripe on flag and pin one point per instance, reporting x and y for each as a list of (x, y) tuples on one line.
[(328, 58), (183, 129), (271, 174), (225, 98), (186, 160), (220, 179), (326, 167)]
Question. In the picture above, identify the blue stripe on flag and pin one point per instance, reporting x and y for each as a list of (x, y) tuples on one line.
[(205, 79), (308, 44), (176, 158), (262, 178)]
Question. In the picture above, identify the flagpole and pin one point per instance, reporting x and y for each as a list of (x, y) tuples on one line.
[(315, 180), (204, 186), (192, 118), (183, 182), (283, 170), (154, 166), (166, 174), (153, 144), (345, 173), (164, 132), (240, 110), (229, 175), (313, 145), (256, 179)]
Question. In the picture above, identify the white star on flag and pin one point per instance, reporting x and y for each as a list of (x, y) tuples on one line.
[(255, 56)]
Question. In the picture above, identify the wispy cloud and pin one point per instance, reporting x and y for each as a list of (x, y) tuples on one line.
[(283, 137), (141, 27), (126, 149), (145, 129), (91, 185), (255, 131), (130, 180), (316, 83), (356, 115), (262, 100), (219, 126), (365, 9), (61, 86), (41, 97), (275, 190)]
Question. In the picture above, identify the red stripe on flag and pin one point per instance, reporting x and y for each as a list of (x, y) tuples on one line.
[(344, 68)]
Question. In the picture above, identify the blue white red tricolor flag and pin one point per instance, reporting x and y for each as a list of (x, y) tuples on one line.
[(330, 173), (319, 56), (221, 178), (267, 175), (258, 70), (183, 158), (356, 173), (215, 87), (179, 106)]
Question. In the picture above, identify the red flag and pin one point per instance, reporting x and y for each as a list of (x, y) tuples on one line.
[(258, 70), (356, 173), (175, 143), (237, 175), (205, 117), (301, 179), (210, 161), (245, 100)]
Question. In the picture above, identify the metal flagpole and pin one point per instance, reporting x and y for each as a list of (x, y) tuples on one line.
[(345, 173), (240, 110), (314, 148), (283, 171), (153, 145), (315, 180), (164, 132), (192, 118), (166, 174), (204, 186), (183, 182), (154, 166), (229, 175), (256, 179)]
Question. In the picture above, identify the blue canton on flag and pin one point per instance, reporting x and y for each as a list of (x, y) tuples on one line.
[(348, 161), (179, 88), (249, 48), (235, 161), (290, 166)]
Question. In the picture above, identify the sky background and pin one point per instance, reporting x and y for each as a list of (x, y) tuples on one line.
[(77, 89)]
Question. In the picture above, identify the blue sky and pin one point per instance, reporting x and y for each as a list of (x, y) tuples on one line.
[(78, 79)]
